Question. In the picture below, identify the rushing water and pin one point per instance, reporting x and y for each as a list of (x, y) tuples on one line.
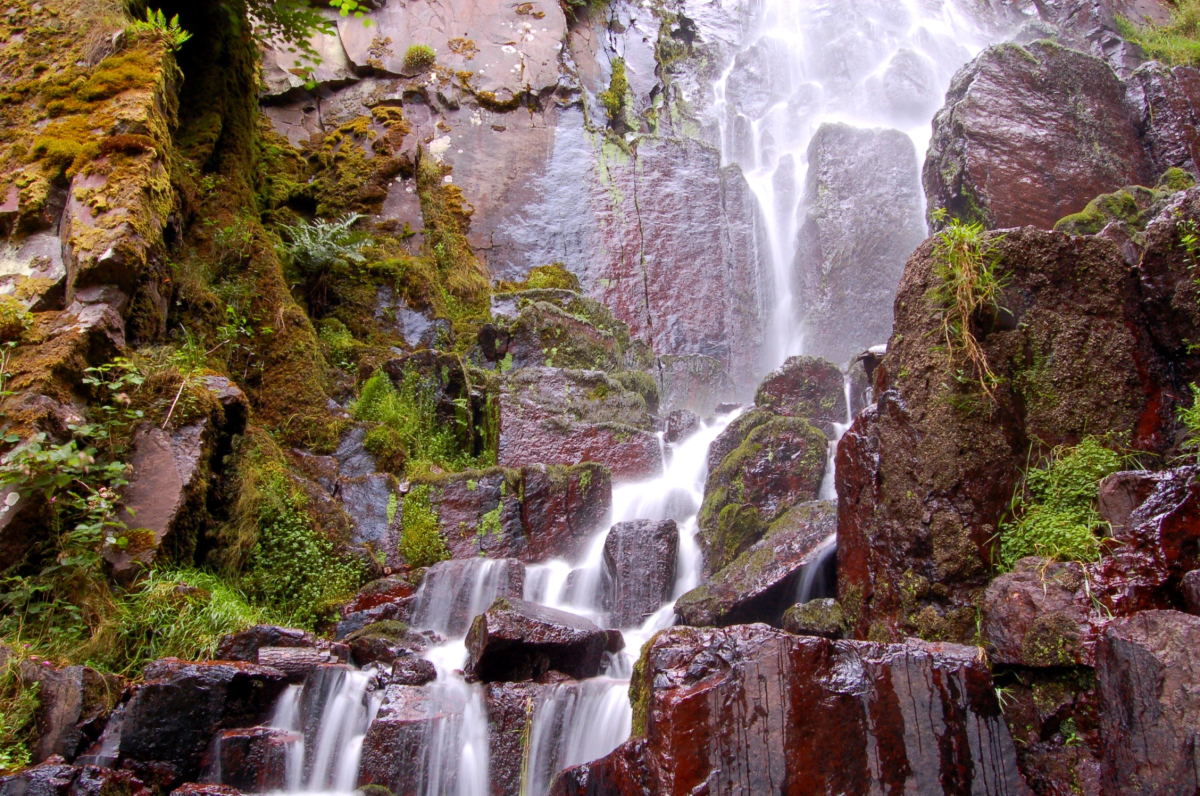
[(868, 63)]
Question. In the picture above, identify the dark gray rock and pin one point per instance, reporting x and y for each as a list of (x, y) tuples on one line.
[(639, 569), (519, 640)]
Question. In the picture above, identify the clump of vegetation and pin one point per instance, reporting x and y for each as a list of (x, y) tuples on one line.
[(320, 249), (14, 319), (968, 286), (1177, 42), (1190, 417), (1054, 513), (554, 276), (419, 57), (167, 31), (421, 541), (613, 98), (18, 708)]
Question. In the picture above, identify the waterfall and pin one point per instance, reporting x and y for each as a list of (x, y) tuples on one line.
[(867, 63), (575, 723)]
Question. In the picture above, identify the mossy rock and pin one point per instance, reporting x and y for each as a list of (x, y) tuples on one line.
[(822, 617)]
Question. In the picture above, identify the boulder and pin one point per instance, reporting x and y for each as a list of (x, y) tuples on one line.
[(244, 645), (550, 416), (862, 217), (75, 703), (1029, 135), (1167, 103), (1189, 587), (510, 711), (926, 474), (204, 789), (716, 709), (23, 520), (519, 640), (1146, 672), (681, 424), (763, 581), (734, 435), (174, 714), (822, 617), (1121, 493), (411, 670), (374, 528), (253, 760), (55, 778), (352, 459), (778, 464), (1040, 615), (385, 599), (639, 569), (165, 495), (1168, 289), (806, 387), (296, 663)]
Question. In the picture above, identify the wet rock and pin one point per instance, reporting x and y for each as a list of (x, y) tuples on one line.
[(531, 514), (366, 500), (925, 475), (1029, 135), (55, 778), (454, 592), (1040, 615), (681, 424), (862, 219), (780, 463), (412, 670), (715, 709), (639, 569), (510, 709), (165, 495), (201, 789), (519, 640), (806, 387), (822, 617), (395, 751), (693, 382), (296, 663), (762, 581), (1167, 100), (1189, 587), (174, 714), (734, 435), (380, 600), (561, 328), (351, 457), (244, 645), (23, 520), (235, 406), (253, 760), (550, 416), (1121, 493), (1169, 292), (75, 703), (1146, 669)]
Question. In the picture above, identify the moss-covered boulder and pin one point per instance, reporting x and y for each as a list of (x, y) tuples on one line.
[(778, 464), (807, 387), (761, 582), (822, 617)]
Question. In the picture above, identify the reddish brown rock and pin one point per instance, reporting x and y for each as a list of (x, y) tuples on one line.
[(1167, 100), (762, 582), (201, 789), (748, 709), (454, 592), (1168, 289), (695, 383), (75, 703), (550, 416), (174, 714), (55, 778), (1040, 615), (639, 569), (253, 760), (395, 751), (1189, 587), (510, 708), (778, 464), (681, 424), (805, 387), (244, 645), (1031, 134), (1147, 667), (519, 640), (386, 599), (1121, 493), (925, 475)]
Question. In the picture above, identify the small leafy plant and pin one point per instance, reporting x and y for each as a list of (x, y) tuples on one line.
[(157, 24), (319, 249)]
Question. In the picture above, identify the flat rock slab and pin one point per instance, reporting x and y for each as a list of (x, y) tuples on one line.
[(519, 640)]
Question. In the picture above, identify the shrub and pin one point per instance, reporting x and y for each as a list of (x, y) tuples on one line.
[(168, 32), (419, 57), (320, 249), (1055, 511), (421, 541), (415, 434)]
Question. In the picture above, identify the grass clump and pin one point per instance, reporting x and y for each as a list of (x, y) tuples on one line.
[(1176, 42), (421, 541), (19, 704), (1055, 512), (968, 287), (419, 57)]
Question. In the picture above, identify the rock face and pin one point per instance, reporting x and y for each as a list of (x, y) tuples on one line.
[(1039, 615), (519, 640), (807, 387), (75, 704), (173, 715), (925, 474), (718, 710), (510, 709), (862, 219), (762, 582), (776, 465), (550, 416), (693, 382), (253, 760), (1031, 134), (639, 569), (393, 751), (1146, 669), (1167, 100)]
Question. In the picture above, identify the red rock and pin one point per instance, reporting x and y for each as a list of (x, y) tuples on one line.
[(1168, 104), (639, 568), (1040, 614), (806, 387), (253, 760), (244, 645), (75, 703), (519, 640)]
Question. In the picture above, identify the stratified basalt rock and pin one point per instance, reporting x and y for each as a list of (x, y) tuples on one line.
[(1040, 615), (253, 760), (74, 705), (550, 416), (639, 568), (1146, 670), (1031, 134), (531, 514), (807, 387), (205, 789), (778, 464), (862, 219), (822, 617), (55, 778), (1167, 100), (519, 640), (174, 714), (718, 710), (925, 475), (760, 584)]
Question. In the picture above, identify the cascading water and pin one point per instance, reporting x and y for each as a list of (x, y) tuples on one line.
[(868, 63)]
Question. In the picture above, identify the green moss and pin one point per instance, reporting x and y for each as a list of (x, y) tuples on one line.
[(421, 540), (389, 629), (543, 277), (642, 383), (14, 319), (419, 58), (613, 99)]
